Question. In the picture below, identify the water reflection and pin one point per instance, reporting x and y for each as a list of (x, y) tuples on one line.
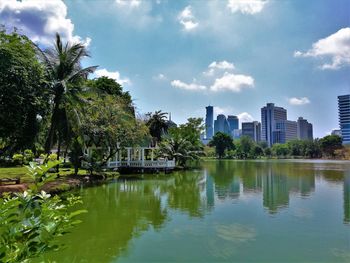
[(346, 191), (123, 212), (275, 180)]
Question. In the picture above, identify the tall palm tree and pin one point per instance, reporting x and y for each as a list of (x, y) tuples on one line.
[(157, 124), (65, 74)]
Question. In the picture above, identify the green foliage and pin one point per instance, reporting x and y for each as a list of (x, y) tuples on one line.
[(18, 158), (107, 125), (157, 124), (23, 92), (183, 143), (65, 76), (30, 222), (330, 143), (222, 142), (280, 150), (28, 156)]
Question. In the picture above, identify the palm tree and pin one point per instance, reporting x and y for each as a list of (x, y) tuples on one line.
[(65, 74), (157, 124), (180, 149)]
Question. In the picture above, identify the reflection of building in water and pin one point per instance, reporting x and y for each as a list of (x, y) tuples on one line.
[(234, 188), (346, 191), (209, 189), (231, 189), (302, 184), (253, 182), (275, 191)]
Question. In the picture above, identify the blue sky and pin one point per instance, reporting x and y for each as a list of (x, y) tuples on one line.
[(180, 56)]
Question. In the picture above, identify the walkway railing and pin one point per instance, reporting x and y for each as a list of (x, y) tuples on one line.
[(143, 164)]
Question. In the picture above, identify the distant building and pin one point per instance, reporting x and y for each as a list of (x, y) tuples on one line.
[(233, 123), (336, 132), (252, 129), (170, 123), (344, 117), (221, 124), (270, 114), (285, 131), (236, 133), (304, 131), (209, 119)]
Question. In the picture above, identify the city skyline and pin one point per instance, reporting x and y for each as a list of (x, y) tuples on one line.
[(179, 56)]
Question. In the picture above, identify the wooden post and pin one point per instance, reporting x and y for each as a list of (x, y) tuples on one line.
[(152, 155)]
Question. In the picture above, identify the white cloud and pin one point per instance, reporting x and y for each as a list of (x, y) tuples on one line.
[(113, 75), (245, 117), (187, 19), (160, 76), (335, 47), (221, 65), (232, 82), (223, 110), (298, 101), (39, 20), (182, 85), (246, 6), (129, 3)]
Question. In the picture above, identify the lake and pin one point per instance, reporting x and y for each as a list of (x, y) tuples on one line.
[(225, 211)]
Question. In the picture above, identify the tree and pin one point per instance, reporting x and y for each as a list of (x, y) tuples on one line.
[(65, 74), (23, 95), (222, 142), (109, 86), (157, 124), (191, 130), (330, 143), (107, 126), (280, 150)]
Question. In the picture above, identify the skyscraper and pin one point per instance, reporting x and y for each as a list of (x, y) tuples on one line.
[(252, 129), (233, 123), (284, 131), (221, 124), (344, 117), (269, 115), (304, 129), (209, 118)]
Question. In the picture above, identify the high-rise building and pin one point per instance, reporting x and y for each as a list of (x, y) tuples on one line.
[(270, 114), (304, 131), (209, 119), (252, 129), (221, 124), (233, 123), (284, 131), (344, 117)]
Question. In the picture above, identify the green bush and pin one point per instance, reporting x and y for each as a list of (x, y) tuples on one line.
[(18, 158), (28, 156), (31, 222), (53, 157)]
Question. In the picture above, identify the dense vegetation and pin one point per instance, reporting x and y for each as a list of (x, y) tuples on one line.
[(329, 146)]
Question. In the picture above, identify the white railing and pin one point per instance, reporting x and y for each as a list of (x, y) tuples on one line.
[(143, 164)]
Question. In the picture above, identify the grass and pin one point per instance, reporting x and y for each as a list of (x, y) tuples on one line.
[(22, 173)]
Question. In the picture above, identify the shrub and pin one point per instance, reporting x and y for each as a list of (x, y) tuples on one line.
[(28, 156), (18, 158), (53, 157)]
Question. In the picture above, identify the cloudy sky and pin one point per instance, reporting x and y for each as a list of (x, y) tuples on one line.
[(180, 56)]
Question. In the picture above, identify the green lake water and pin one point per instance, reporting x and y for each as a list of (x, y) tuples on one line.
[(225, 211)]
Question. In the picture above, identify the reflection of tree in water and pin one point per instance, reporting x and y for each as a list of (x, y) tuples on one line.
[(116, 214), (227, 184), (185, 193)]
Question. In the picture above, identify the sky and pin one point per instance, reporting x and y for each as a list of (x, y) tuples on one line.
[(180, 56)]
